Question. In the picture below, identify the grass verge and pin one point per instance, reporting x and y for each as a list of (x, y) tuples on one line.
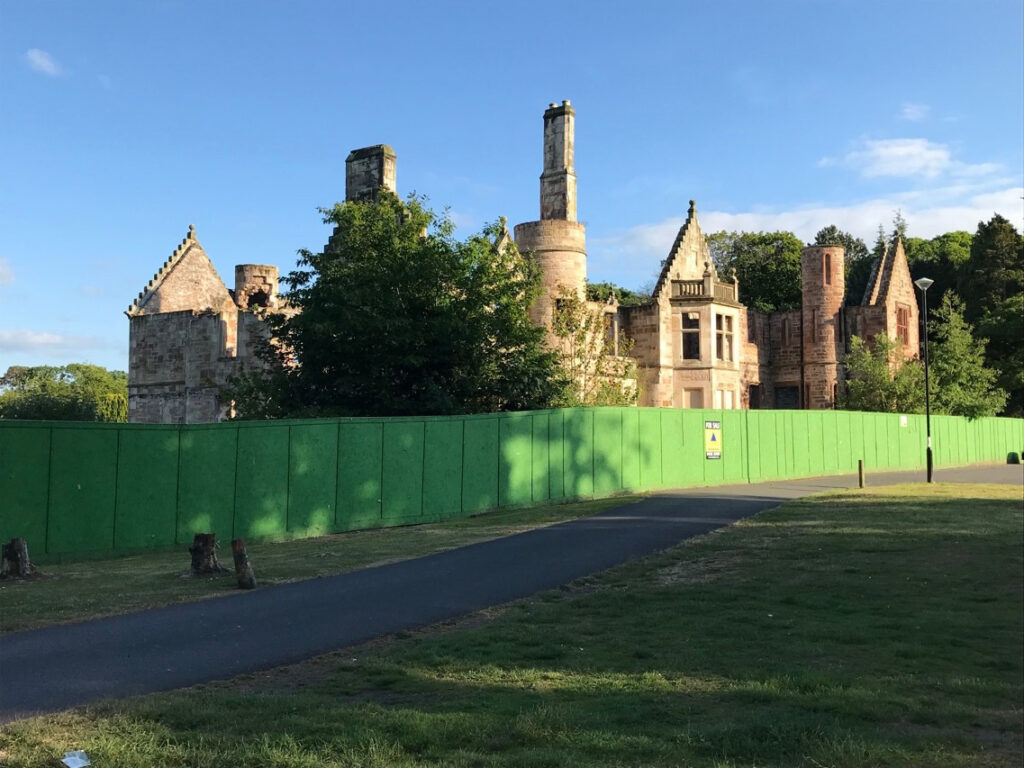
[(860, 628), (92, 588)]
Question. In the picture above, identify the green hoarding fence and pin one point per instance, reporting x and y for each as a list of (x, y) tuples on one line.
[(75, 489)]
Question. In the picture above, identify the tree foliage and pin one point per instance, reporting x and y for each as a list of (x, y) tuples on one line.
[(993, 291), (74, 392), (767, 265), (941, 259), (880, 379), (400, 318), (960, 384), (595, 361), (625, 297)]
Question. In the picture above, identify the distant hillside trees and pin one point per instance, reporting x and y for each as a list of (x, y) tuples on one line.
[(74, 392)]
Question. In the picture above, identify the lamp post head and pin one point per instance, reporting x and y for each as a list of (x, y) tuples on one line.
[(923, 283)]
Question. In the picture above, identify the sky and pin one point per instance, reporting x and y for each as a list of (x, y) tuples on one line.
[(121, 123)]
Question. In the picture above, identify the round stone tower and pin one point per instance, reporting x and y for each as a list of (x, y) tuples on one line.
[(824, 285), (558, 241)]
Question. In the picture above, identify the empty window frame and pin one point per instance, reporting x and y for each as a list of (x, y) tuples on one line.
[(691, 336)]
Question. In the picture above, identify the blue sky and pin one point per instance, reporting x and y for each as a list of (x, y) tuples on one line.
[(122, 122)]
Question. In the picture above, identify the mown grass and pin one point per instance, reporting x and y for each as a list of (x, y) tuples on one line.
[(861, 628), (87, 589)]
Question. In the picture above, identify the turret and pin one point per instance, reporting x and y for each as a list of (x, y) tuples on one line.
[(824, 285), (557, 241)]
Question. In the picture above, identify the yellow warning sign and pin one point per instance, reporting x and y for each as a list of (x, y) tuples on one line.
[(713, 439)]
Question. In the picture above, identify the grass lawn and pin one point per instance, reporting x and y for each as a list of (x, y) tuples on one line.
[(861, 628), (91, 588)]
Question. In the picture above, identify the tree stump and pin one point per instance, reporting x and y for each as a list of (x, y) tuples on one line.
[(14, 560), (243, 570), (204, 555)]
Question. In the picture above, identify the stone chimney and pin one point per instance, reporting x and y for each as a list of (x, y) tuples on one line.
[(558, 181), (367, 170)]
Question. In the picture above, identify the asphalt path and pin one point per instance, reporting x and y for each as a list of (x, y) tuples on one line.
[(157, 650)]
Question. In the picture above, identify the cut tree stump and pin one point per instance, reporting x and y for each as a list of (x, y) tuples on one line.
[(243, 570), (14, 560), (204, 555)]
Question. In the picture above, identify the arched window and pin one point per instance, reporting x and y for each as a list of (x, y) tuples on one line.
[(828, 268)]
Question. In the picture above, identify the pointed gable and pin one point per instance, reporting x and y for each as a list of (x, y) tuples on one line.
[(890, 269), (187, 280), (688, 255)]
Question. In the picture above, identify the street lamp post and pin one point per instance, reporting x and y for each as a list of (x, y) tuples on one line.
[(923, 283)]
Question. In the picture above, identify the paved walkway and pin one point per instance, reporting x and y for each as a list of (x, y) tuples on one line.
[(156, 650)]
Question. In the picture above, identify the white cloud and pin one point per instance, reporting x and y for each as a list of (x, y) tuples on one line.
[(45, 341), (896, 157), (6, 273), (907, 158), (914, 112), (632, 256), (42, 62)]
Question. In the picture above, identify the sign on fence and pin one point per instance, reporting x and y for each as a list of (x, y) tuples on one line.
[(713, 439)]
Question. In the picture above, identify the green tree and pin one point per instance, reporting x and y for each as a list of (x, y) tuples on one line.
[(993, 291), (880, 379), (941, 259), (960, 383), (400, 318), (593, 354), (74, 392), (858, 260), (767, 265), (995, 269)]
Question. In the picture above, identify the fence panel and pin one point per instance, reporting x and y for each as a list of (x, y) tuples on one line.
[(607, 450), (402, 476), (442, 469), (480, 465), (83, 488), (312, 478), (360, 466), (146, 510), (24, 484), (206, 482)]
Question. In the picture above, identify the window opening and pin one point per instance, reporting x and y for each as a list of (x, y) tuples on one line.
[(723, 337), (691, 336)]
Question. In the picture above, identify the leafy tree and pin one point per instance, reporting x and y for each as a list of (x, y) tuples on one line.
[(858, 260), (961, 384), (993, 291), (995, 269), (400, 318), (880, 379), (74, 392), (767, 265), (625, 297), (941, 259), (595, 359)]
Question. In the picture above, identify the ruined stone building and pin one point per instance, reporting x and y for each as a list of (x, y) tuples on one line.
[(696, 345)]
